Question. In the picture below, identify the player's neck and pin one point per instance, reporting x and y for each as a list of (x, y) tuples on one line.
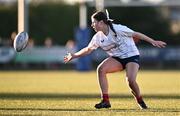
[(105, 30)]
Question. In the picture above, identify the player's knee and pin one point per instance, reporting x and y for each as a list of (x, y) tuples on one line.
[(130, 80), (101, 70)]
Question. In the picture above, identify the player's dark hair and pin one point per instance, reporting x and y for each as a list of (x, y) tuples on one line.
[(100, 15)]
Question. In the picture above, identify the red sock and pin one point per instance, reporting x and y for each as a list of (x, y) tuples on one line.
[(105, 97)]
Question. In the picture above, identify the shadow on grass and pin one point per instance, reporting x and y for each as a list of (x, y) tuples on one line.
[(45, 109), (79, 96), (89, 110)]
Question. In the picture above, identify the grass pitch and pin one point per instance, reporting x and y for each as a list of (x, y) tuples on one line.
[(73, 93)]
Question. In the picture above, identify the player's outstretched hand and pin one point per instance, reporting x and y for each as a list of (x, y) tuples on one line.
[(159, 44), (68, 57)]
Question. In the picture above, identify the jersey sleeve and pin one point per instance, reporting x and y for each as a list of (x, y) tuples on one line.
[(121, 28), (94, 42), (129, 32)]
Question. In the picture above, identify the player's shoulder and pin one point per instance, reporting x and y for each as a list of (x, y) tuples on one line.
[(120, 27), (99, 34)]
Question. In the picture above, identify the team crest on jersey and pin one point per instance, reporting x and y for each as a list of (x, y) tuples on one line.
[(102, 41)]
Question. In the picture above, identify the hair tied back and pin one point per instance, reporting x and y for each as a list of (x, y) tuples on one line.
[(107, 14)]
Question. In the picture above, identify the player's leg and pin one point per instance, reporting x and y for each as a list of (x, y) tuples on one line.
[(109, 65), (131, 73)]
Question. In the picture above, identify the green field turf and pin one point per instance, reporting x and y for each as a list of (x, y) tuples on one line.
[(71, 93)]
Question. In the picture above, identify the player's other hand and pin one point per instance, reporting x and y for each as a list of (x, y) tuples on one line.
[(68, 57), (159, 44)]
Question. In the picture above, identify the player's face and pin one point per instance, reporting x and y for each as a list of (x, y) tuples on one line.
[(95, 25)]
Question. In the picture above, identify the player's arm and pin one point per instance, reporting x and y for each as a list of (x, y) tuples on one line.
[(156, 43), (82, 52)]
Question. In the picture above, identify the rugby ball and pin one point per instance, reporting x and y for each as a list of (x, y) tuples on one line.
[(20, 41)]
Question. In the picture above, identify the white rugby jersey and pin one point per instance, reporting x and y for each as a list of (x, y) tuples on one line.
[(122, 46)]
